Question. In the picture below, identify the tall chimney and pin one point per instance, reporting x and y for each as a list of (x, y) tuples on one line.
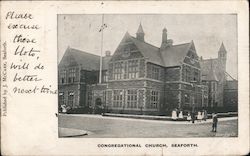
[(108, 53), (164, 36), (165, 41)]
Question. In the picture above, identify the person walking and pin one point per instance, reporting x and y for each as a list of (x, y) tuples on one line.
[(215, 121), (199, 117), (204, 115), (193, 116), (180, 116), (189, 118), (174, 114)]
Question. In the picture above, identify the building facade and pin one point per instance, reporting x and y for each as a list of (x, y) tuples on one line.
[(222, 93), (139, 78)]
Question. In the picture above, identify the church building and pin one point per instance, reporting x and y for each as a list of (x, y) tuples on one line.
[(140, 78)]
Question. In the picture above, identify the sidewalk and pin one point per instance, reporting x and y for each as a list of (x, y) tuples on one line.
[(143, 118), (166, 118)]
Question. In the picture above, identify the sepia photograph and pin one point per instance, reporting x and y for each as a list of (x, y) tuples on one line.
[(147, 75)]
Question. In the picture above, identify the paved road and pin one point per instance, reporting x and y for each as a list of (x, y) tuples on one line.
[(98, 127)]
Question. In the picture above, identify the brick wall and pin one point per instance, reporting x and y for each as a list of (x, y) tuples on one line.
[(154, 86), (172, 74), (65, 89), (126, 84)]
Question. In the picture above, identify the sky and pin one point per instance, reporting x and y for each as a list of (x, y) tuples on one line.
[(208, 31)]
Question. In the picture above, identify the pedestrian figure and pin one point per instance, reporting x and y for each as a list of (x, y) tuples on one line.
[(180, 115), (174, 114), (189, 117), (204, 115), (199, 117), (215, 121), (64, 109), (193, 116)]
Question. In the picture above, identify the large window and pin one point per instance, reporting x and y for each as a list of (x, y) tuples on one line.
[(63, 76), (196, 75), (132, 99), (154, 99), (72, 75), (117, 98), (155, 73), (125, 70), (105, 76), (213, 86), (117, 74), (133, 69), (71, 98)]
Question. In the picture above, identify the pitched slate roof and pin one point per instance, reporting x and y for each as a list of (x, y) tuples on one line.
[(86, 60), (211, 69), (175, 54), (149, 51), (171, 56)]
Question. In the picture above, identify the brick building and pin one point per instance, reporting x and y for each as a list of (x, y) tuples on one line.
[(214, 75), (78, 74), (231, 95), (138, 78)]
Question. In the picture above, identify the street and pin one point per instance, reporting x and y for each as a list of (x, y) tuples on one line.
[(98, 126)]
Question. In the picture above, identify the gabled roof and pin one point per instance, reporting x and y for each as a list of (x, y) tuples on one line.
[(175, 54), (149, 51), (86, 60), (211, 69), (211, 76), (171, 56)]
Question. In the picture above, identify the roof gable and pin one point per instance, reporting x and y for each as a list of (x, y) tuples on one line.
[(213, 65), (150, 52), (86, 60), (174, 55), (126, 49)]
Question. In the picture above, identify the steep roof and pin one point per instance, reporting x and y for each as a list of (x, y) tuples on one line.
[(86, 60), (211, 76), (175, 54), (170, 56), (211, 69), (149, 51), (222, 48), (140, 30)]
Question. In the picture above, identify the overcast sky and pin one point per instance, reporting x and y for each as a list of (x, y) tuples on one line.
[(207, 32)]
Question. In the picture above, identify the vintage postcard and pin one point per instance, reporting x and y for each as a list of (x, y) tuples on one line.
[(124, 78)]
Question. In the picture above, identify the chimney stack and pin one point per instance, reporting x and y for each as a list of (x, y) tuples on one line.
[(108, 53), (165, 41)]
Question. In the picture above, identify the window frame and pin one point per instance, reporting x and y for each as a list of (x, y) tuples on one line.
[(132, 98)]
